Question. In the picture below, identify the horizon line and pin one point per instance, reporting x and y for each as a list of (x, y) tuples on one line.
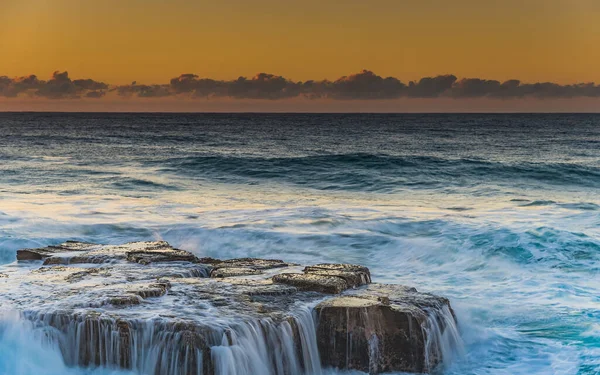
[(306, 113)]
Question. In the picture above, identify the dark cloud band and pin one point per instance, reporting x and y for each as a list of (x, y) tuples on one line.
[(365, 85), (60, 86)]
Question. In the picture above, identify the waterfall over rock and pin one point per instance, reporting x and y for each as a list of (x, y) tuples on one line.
[(385, 328), (152, 309)]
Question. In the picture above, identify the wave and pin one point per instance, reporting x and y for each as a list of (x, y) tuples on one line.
[(584, 206), (580, 206), (322, 235), (538, 203), (377, 172), (137, 184), (544, 247)]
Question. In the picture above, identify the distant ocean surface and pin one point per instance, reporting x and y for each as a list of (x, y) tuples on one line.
[(500, 213)]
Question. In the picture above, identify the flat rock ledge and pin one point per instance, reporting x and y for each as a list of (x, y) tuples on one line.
[(149, 307)]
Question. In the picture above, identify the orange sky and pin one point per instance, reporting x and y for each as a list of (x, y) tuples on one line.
[(151, 41)]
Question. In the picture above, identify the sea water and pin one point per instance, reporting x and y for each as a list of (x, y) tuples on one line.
[(500, 213)]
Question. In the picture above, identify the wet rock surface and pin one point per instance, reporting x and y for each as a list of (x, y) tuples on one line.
[(79, 253), (46, 252), (244, 266), (387, 328), (154, 309), (326, 278)]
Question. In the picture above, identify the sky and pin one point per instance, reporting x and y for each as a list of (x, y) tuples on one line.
[(117, 42)]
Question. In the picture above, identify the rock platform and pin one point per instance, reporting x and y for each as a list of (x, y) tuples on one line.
[(154, 309)]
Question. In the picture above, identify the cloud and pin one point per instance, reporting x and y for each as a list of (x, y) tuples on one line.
[(95, 94), (89, 84), (263, 86), (553, 90), (431, 87), (144, 91), (12, 87), (365, 85), (478, 88), (474, 88), (60, 86), (199, 87)]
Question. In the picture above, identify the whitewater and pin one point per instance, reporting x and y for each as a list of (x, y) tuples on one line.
[(499, 213)]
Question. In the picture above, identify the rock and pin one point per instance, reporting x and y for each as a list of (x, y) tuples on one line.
[(311, 282), (160, 252), (254, 263), (327, 278), (209, 260), (77, 276), (56, 260), (386, 328), (243, 266), (181, 270), (72, 252), (137, 295), (271, 290), (157, 289), (154, 309), (338, 267), (233, 271), (43, 253), (3, 276), (353, 275), (126, 300), (33, 254)]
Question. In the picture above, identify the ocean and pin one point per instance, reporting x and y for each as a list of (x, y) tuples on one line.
[(498, 212)]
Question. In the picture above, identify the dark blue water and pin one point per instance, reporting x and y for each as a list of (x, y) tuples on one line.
[(499, 212)]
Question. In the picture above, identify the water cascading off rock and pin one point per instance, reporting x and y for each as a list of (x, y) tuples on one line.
[(156, 310)]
